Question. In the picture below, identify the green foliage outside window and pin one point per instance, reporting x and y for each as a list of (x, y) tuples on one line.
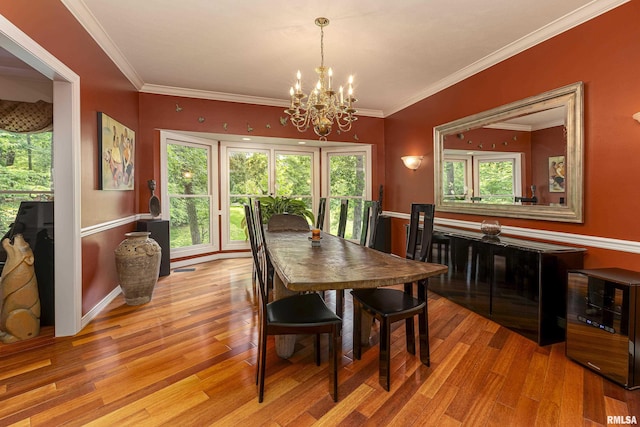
[(496, 183), (25, 169)]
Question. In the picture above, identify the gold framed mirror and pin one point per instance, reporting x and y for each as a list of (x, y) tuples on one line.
[(520, 160)]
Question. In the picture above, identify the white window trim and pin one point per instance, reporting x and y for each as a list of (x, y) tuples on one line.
[(165, 139)]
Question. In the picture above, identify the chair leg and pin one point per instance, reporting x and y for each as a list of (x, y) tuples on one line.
[(339, 302), (262, 365), (357, 329), (333, 363), (423, 330), (410, 335), (259, 357), (316, 348), (423, 325), (384, 362)]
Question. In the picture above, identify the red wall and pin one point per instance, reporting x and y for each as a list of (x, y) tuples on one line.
[(102, 88), (548, 142), (603, 53)]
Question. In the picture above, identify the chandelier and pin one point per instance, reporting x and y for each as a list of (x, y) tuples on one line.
[(324, 106)]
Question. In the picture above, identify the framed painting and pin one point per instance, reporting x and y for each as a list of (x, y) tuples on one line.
[(116, 147), (556, 174)]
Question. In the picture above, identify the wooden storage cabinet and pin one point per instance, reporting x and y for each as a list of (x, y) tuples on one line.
[(603, 317), (519, 284)]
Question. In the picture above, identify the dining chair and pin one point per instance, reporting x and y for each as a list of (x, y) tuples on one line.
[(391, 305), (369, 222), (296, 314), (322, 206), (342, 220), (287, 222)]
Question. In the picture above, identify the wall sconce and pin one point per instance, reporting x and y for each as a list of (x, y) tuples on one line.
[(637, 116), (412, 162)]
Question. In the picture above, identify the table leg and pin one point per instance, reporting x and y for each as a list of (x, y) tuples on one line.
[(284, 343), (366, 321)]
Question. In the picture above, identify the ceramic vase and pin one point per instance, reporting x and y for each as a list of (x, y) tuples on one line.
[(138, 266)]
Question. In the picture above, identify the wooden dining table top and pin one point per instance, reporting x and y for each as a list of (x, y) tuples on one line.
[(339, 263)]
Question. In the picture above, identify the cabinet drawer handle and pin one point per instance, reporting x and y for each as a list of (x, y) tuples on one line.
[(593, 366)]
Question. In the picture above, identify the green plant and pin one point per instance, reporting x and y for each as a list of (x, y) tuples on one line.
[(282, 204)]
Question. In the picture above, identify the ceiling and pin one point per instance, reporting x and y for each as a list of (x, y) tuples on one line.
[(249, 51)]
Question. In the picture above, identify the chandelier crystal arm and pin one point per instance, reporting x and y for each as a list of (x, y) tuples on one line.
[(323, 106)]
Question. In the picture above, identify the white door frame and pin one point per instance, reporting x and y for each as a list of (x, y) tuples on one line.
[(66, 174)]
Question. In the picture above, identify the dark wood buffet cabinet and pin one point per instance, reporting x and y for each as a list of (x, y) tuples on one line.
[(517, 283)]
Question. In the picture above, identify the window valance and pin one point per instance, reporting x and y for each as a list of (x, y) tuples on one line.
[(26, 117)]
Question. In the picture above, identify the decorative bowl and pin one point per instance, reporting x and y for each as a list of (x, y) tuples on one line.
[(490, 228)]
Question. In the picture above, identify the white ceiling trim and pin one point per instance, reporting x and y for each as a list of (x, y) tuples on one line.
[(84, 16), (571, 20), (231, 97)]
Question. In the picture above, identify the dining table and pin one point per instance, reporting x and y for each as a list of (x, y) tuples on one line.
[(336, 263)]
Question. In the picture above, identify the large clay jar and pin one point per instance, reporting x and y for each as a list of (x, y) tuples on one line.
[(138, 266)]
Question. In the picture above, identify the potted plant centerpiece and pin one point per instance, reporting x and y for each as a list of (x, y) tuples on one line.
[(284, 205)]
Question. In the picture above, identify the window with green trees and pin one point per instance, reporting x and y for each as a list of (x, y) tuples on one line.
[(25, 172), (189, 193), (347, 180)]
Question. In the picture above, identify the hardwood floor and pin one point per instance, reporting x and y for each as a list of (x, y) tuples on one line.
[(187, 358)]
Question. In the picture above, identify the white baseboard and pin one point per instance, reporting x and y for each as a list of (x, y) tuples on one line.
[(87, 318)]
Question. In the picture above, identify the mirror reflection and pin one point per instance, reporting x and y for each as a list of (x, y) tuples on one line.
[(520, 160)]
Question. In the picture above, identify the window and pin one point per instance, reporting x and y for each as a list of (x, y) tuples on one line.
[(347, 175), (189, 185), (498, 177), (25, 172), (257, 170), (456, 180)]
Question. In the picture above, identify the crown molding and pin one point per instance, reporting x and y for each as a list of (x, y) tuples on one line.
[(231, 97), (560, 25), (84, 16)]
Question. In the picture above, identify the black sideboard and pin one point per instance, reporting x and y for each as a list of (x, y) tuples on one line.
[(159, 230), (517, 283)]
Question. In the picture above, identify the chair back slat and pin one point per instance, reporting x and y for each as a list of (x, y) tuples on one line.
[(322, 207), (369, 222), (342, 222), (419, 241), (259, 251)]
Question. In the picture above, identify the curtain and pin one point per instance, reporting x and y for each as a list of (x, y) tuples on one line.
[(26, 117)]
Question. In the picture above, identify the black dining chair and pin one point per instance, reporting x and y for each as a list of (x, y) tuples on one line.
[(322, 207), (370, 215), (296, 314), (342, 219), (391, 305)]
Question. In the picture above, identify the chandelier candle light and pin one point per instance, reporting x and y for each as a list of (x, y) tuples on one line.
[(324, 105)]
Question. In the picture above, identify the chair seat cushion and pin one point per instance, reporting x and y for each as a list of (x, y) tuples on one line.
[(300, 310), (387, 302)]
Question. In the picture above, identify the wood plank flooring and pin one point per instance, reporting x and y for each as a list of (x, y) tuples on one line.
[(187, 358)]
